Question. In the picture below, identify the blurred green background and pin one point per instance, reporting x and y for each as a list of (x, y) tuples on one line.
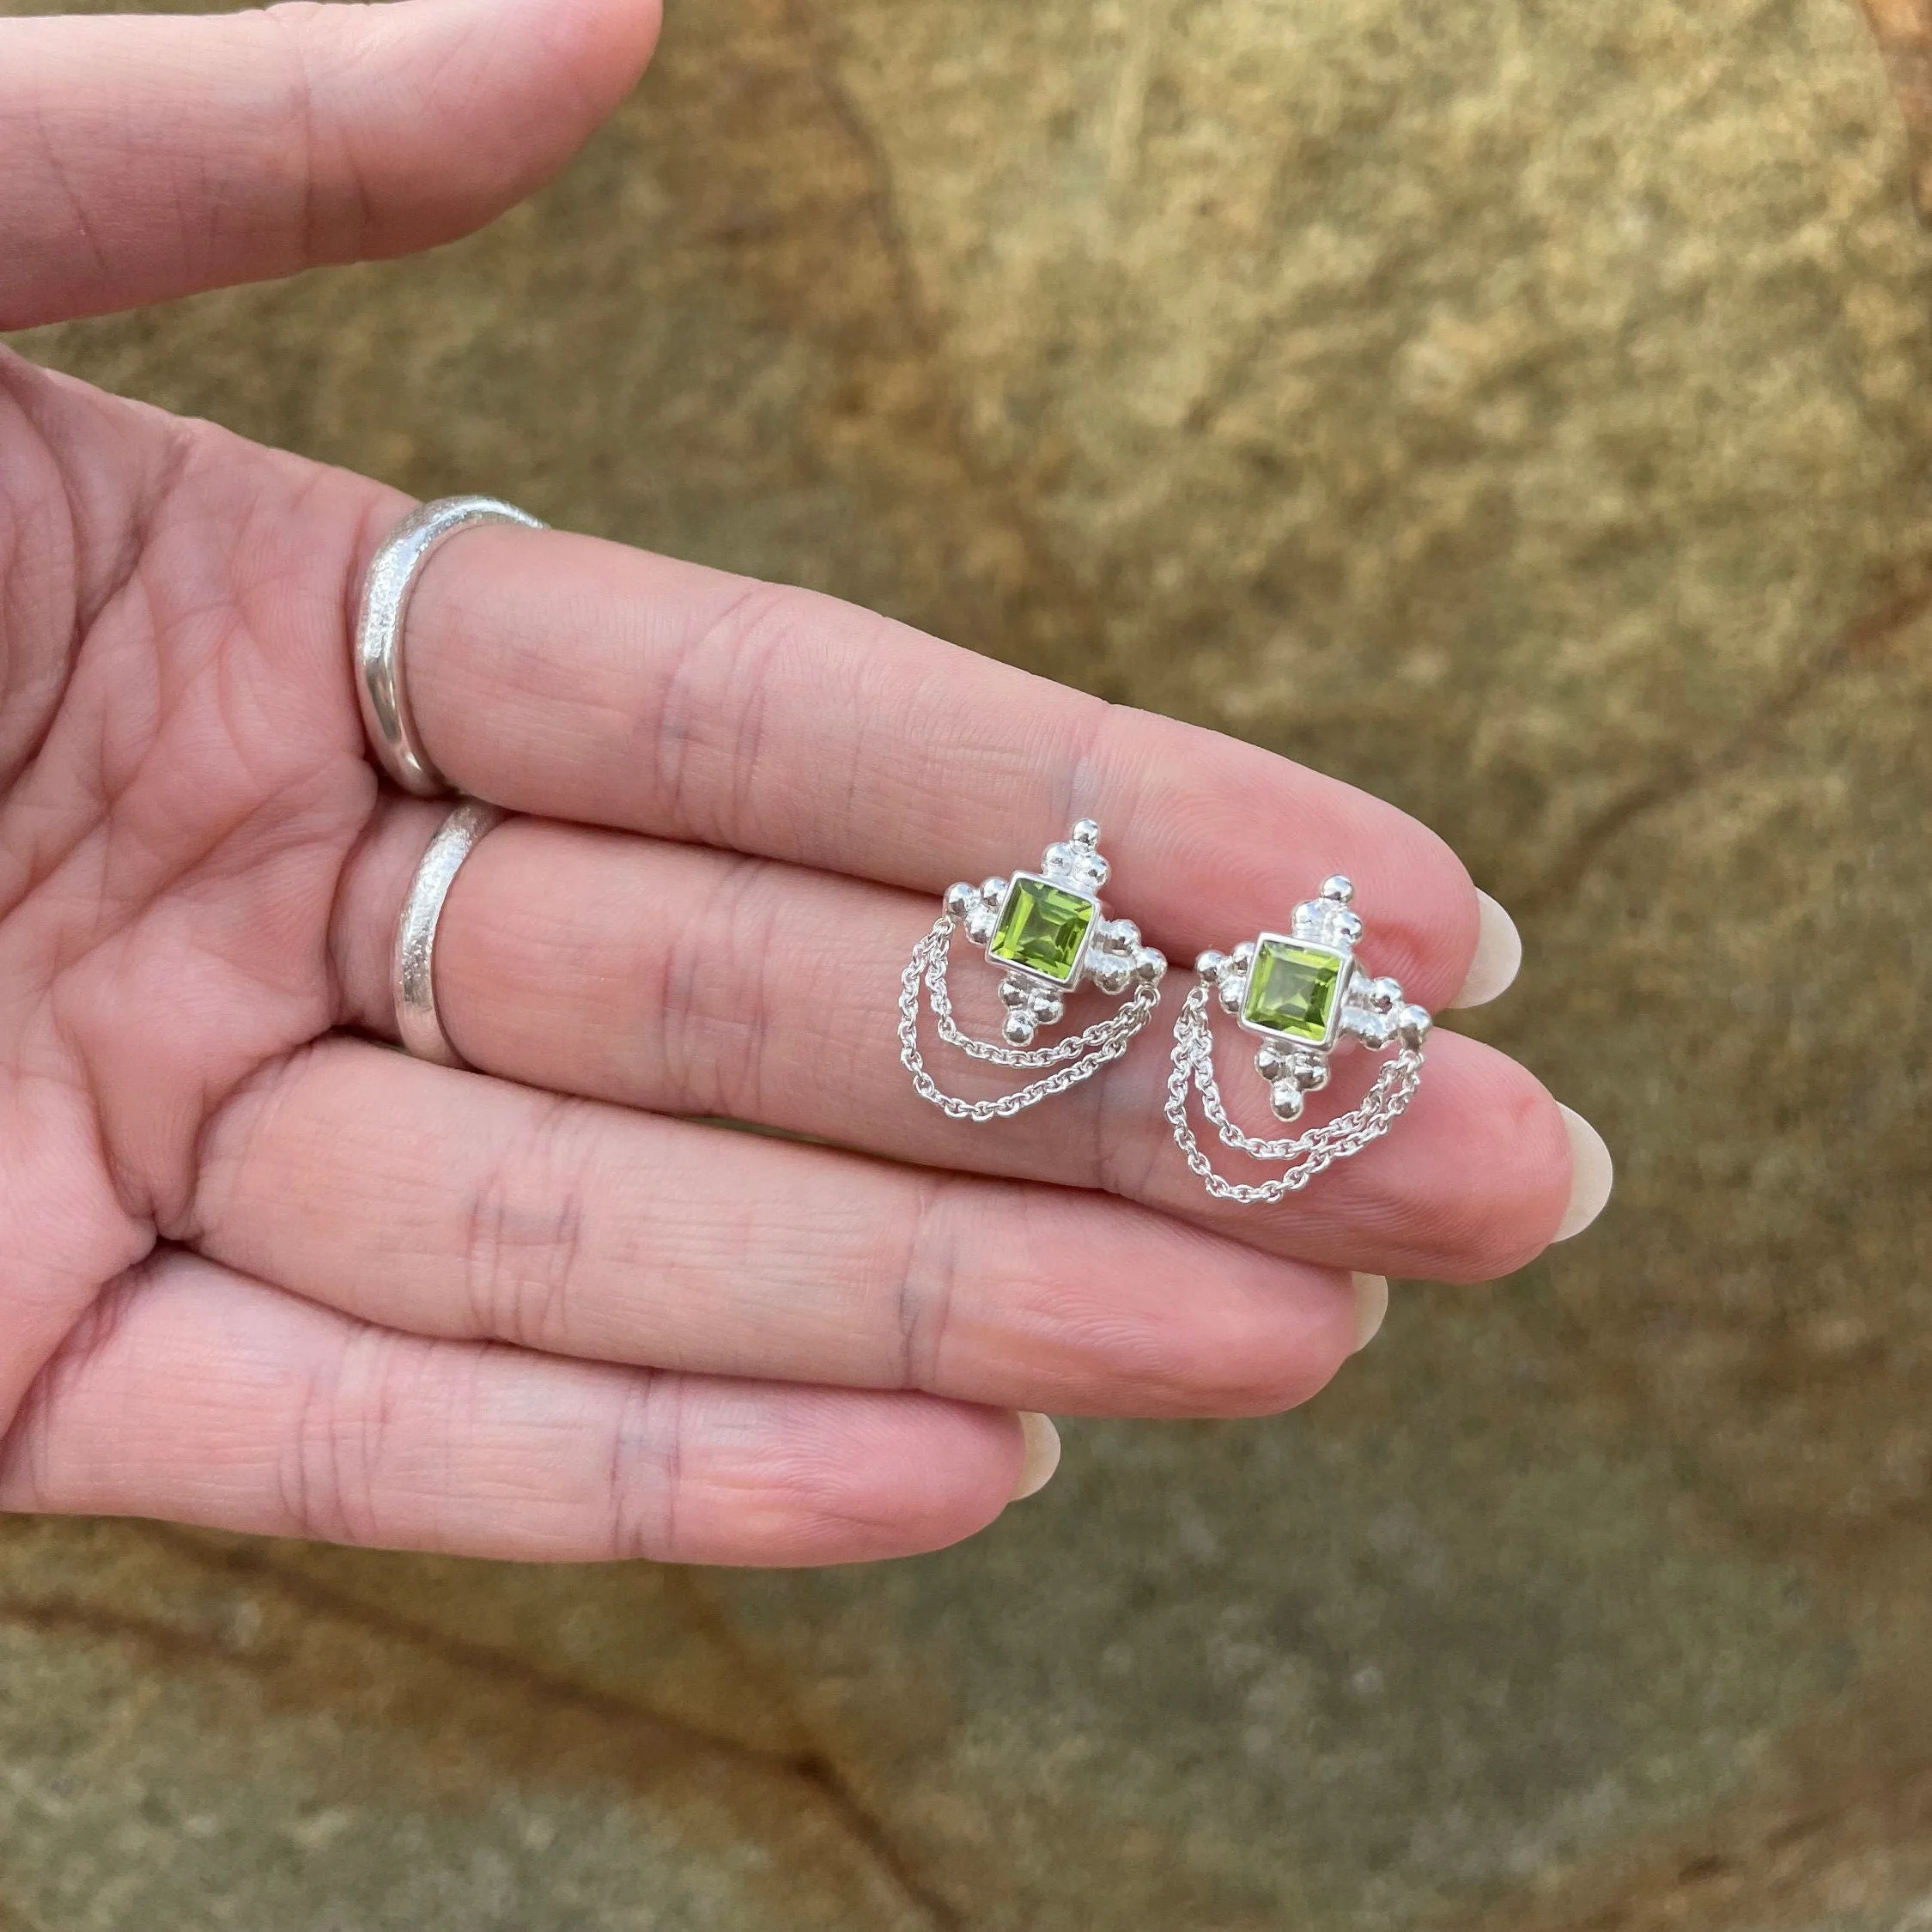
[(1520, 407)]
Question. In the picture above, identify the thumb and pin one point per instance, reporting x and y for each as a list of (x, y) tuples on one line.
[(152, 157)]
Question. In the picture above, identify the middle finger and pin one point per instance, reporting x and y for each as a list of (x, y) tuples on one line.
[(685, 980)]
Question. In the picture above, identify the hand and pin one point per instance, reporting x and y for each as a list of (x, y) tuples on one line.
[(258, 1271)]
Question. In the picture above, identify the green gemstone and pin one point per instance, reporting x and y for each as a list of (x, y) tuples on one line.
[(1292, 989), (1043, 928)]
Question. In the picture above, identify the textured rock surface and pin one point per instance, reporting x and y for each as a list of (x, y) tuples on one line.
[(1521, 408)]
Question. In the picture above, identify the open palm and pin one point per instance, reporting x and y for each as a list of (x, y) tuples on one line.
[(260, 1271)]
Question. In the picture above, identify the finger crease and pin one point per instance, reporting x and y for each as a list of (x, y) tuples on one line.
[(927, 1285)]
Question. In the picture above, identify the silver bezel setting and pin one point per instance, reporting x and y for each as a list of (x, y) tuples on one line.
[(1096, 914), (1345, 972)]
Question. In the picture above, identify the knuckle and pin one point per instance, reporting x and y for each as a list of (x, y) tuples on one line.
[(712, 724), (717, 1018), (523, 1230), (928, 1286), (331, 206), (644, 1471), (333, 1472), (1126, 1153)]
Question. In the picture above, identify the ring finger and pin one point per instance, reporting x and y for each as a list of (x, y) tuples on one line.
[(461, 1207)]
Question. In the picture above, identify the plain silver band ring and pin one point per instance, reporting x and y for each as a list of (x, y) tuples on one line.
[(417, 1018), (393, 571)]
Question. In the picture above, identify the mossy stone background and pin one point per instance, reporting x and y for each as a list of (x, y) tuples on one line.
[(1522, 407)]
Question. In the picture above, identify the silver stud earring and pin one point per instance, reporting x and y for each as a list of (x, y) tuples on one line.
[(1047, 933), (1306, 995)]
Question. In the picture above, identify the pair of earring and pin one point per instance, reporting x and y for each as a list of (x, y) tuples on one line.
[(1303, 991)]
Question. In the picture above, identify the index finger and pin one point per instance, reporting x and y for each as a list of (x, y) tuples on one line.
[(576, 678)]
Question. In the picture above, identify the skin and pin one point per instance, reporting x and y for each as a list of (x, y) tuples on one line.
[(260, 1272)]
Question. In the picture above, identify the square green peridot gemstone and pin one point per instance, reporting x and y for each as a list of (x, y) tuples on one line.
[(1043, 929), (1292, 989)]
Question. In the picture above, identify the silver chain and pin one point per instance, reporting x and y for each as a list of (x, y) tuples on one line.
[(1078, 1057), (1307, 1153)]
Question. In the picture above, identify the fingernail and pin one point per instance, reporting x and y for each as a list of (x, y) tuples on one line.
[(1042, 1454), (1498, 954), (1591, 1174), (1371, 1308)]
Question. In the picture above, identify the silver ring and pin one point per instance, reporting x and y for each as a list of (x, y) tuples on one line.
[(417, 1021), (393, 571)]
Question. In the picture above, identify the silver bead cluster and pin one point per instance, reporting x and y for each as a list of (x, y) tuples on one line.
[(1376, 1013), (1292, 1074)]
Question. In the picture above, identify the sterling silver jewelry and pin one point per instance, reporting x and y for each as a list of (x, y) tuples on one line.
[(1047, 931), (417, 1022), (1306, 994), (393, 572)]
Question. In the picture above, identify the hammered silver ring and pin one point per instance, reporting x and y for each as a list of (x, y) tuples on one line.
[(386, 590), (418, 1022)]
